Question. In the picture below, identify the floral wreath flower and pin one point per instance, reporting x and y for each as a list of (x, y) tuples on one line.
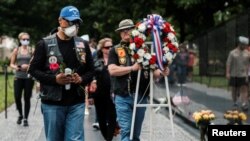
[(164, 42)]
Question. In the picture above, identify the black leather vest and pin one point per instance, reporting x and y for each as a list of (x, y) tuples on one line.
[(49, 92)]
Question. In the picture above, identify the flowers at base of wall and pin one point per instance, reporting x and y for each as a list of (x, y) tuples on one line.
[(235, 117), (203, 117)]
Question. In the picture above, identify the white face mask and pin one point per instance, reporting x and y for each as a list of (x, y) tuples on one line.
[(70, 31), (24, 42)]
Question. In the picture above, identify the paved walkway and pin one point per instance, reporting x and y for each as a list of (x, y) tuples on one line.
[(201, 96), (10, 131)]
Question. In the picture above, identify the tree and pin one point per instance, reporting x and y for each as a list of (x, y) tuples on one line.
[(101, 17)]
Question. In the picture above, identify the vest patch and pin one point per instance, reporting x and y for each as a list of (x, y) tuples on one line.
[(121, 55), (52, 59), (80, 45)]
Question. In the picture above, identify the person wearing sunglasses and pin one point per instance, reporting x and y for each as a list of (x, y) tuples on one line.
[(63, 65), (19, 61), (105, 108)]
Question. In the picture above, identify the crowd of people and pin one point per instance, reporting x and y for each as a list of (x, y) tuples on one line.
[(75, 72)]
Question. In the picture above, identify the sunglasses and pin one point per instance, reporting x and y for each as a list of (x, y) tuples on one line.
[(25, 39), (75, 22), (107, 47)]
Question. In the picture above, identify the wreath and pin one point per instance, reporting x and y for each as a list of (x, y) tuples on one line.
[(164, 42)]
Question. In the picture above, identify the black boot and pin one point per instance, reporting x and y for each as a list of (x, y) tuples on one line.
[(25, 122), (19, 120)]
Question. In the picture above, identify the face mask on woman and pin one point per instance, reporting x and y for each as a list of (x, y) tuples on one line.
[(70, 31), (24, 42)]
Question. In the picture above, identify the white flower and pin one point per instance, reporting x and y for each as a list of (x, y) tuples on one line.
[(174, 55), (142, 36), (165, 48), (142, 27), (132, 46), (145, 63), (139, 60), (175, 44), (147, 56), (135, 33), (132, 52), (132, 59), (153, 66), (168, 56), (171, 36), (140, 52)]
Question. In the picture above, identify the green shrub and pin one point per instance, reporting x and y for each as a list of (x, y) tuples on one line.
[(10, 91)]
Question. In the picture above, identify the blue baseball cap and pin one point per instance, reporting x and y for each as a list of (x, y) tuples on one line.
[(70, 13)]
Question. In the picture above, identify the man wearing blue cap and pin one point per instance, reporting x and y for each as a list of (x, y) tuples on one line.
[(63, 65)]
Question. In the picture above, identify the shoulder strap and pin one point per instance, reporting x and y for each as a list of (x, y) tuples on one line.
[(51, 45)]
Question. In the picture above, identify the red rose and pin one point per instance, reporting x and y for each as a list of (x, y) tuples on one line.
[(172, 47), (135, 56), (152, 60), (165, 39), (167, 28), (138, 42), (54, 66)]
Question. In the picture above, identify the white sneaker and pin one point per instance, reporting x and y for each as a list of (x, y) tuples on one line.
[(96, 125)]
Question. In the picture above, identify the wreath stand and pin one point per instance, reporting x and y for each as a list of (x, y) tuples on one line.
[(151, 104)]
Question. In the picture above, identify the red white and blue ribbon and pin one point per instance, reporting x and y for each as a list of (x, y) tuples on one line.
[(155, 22)]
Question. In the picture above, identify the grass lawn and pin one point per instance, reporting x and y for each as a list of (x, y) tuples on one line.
[(10, 95), (210, 81)]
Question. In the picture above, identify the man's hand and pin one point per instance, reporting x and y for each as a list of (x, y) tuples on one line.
[(136, 67), (62, 79), (165, 72), (76, 78)]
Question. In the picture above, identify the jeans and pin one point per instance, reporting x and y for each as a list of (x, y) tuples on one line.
[(124, 110), (63, 123)]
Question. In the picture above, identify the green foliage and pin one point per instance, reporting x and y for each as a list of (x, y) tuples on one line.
[(10, 94), (101, 17)]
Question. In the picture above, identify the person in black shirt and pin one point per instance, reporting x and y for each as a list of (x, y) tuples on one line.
[(105, 108), (62, 93), (124, 78)]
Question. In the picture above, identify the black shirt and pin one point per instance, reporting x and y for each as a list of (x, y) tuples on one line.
[(66, 47), (120, 83)]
